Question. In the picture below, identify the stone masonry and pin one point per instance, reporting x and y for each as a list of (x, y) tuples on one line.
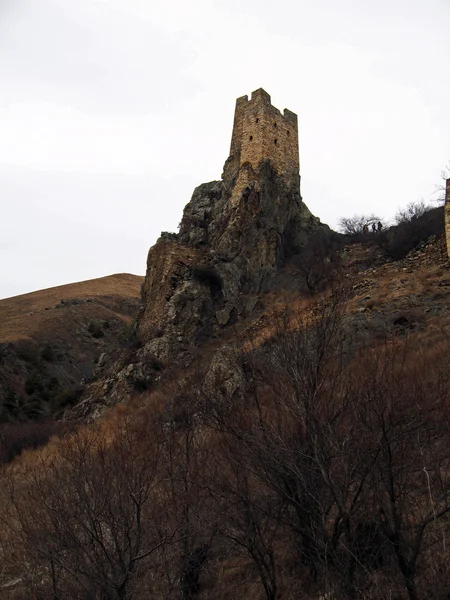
[(261, 131), (447, 215), (235, 237)]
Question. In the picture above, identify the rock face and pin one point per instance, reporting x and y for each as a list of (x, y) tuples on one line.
[(235, 235)]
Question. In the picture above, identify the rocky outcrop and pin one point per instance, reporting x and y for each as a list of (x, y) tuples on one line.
[(226, 254)]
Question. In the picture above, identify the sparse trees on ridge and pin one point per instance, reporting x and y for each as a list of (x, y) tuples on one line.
[(413, 210), (355, 225)]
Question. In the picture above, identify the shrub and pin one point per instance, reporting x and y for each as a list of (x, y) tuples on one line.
[(29, 353), (413, 210), (317, 263), (128, 336), (10, 409), (95, 329), (16, 437), (354, 226), (34, 383), (47, 353), (67, 397), (141, 384), (415, 224)]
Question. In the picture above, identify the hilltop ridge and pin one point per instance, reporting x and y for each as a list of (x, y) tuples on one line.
[(51, 341)]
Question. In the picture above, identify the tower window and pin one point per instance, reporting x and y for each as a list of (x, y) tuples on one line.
[(274, 124), (275, 140), (288, 132), (257, 120), (251, 137)]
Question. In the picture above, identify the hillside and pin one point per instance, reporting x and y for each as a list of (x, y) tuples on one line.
[(283, 464), (270, 421), (51, 340), (112, 289)]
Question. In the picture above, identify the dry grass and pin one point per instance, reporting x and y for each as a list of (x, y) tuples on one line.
[(21, 317), (393, 289)]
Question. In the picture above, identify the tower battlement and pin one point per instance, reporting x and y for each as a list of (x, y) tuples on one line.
[(261, 131)]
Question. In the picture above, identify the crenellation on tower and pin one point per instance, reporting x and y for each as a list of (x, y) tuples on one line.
[(261, 131), (260, 95)]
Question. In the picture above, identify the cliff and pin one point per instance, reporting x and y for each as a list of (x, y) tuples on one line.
[(226, 254)]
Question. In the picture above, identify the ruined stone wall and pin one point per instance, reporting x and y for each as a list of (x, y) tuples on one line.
[(261, 131), (447, 215)]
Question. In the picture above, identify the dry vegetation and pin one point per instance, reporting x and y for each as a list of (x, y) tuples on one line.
[(25, 316), (324, 473), (50, 342), (312, 461)]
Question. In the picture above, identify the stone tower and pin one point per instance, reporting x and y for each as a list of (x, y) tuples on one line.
[(234, 239), (261, 131), (447, 215)]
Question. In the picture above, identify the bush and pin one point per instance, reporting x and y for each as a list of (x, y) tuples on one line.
[(415, 225), (128, 336), (95, 329), (47, 353), (317, 263), (354, 226), (65, 398), (28, 353), (141, 384), (34, 383), (11, 407), (413, 210), (14, 438)]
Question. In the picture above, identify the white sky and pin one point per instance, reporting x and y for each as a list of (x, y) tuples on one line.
[(112, 111)]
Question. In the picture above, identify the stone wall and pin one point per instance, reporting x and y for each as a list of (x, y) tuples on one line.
[(261, 131), (447, 215)]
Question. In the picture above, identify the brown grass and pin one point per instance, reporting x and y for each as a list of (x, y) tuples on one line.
[(23, 316)]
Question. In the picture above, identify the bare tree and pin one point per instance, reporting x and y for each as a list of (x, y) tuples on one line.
[(413, 210), (289, 437), (318, 263), (253, 512), (405, 414), (354, 226), (188, 465), (348, 451), (441, 188), (92, 513)]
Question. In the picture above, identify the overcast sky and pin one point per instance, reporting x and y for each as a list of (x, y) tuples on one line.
[(112, 111)]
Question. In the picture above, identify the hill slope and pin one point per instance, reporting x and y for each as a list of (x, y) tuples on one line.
[(51, 340)]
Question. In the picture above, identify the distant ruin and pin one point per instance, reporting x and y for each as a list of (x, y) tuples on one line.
[(447, 215)]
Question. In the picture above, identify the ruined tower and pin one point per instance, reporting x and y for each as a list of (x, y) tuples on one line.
[(261, 131), (447, 215), (235, 236)]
